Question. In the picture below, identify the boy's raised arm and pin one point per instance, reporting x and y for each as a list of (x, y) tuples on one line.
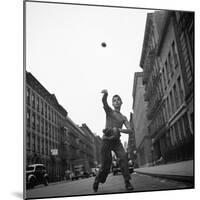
[(104, 100)]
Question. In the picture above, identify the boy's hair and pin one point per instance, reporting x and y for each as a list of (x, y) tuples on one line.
[(116, 95)]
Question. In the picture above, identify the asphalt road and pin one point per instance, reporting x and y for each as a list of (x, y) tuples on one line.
[(114, 184)]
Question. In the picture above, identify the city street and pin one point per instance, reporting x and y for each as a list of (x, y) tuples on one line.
[(114, 184)]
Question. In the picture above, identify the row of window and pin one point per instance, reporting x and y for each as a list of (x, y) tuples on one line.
[(177, 133), (170, 65), (39, 145), (42, 107), (40, 125), (174, 99), (170, 106)]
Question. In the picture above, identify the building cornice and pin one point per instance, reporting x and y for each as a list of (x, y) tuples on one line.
[(146, 39), (165, 24)]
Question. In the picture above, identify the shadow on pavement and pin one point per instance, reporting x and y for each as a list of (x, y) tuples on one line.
[(18, 194)]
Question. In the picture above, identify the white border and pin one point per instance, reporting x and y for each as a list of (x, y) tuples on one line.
[(11, 40)]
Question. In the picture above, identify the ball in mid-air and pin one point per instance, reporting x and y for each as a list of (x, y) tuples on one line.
[(103, 44)]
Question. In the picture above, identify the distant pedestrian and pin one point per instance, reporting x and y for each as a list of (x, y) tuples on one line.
[(111, 142)]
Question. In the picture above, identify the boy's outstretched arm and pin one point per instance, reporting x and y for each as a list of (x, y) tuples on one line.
[(104, 98)]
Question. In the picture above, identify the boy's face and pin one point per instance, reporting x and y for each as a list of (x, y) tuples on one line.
[(116, 102)]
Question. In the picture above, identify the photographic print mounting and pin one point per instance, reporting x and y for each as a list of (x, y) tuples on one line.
[(109, 99)]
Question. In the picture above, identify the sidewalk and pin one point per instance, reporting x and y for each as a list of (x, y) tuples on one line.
[(182, 171)]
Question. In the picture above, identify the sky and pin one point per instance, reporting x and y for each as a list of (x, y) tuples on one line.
[(64, 53)]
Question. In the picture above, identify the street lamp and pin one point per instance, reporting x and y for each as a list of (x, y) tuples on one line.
[(54, 153), (152, 149)]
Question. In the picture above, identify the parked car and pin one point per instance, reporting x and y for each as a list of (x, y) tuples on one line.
[(94, 171), (116, 168), (36, 174), (79, 174)]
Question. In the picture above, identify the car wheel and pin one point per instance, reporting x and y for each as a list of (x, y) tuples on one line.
[(32, 183), (46, 182)]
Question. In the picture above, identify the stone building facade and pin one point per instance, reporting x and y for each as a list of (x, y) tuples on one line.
[(167, 61), (142, 137)]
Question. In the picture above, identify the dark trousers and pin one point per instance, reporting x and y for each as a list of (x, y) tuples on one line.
[(106, 157)]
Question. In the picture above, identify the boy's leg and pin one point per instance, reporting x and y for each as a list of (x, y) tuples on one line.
[(106, 160), (123, 162)]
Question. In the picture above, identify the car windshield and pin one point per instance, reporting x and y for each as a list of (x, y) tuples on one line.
[(29, 168)]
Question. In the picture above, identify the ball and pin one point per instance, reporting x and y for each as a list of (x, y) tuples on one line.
[(103, 44)]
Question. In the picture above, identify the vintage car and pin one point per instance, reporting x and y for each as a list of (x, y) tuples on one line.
[(36, 174), (78, 175), (116, 168)]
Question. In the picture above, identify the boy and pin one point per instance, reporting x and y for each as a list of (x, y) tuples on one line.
[(111, 141)]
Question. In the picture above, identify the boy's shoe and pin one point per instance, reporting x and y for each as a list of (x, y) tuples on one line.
[(128, 185), (95, 185)]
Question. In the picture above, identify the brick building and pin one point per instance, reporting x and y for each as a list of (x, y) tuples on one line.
[(45, 120), (52, 138), (167, 61)]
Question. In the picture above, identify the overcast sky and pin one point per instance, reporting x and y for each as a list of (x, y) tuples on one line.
[(64, 53)]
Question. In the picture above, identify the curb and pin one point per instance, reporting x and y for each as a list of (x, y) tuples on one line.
[(189, 179)]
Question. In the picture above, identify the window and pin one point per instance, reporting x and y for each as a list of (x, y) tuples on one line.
[(37, 104), (38, 144), (28, 117), (38, 123), (168, 141), (174, 54), (49, 129), (164, 112), (46, 145), (28, 140), (42, 126), (167, 70), (176, 96), (42, 146), (176, 131), (191, 37), (192, 121), (33, 120), (33, 143), (168, 108), (164, 78), (170, 64), (46, 128), (186, 125), (182, 128), (172, 136), (28, 96), (180, 88), (42, 107), (161, 88), (45, 110), (49, 113), (172, 102), (153, 41), (33, 100)]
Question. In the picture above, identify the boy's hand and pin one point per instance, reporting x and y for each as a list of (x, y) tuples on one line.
[(104, 91)]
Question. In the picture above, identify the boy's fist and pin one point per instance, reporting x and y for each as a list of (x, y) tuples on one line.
[(104, 91)]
